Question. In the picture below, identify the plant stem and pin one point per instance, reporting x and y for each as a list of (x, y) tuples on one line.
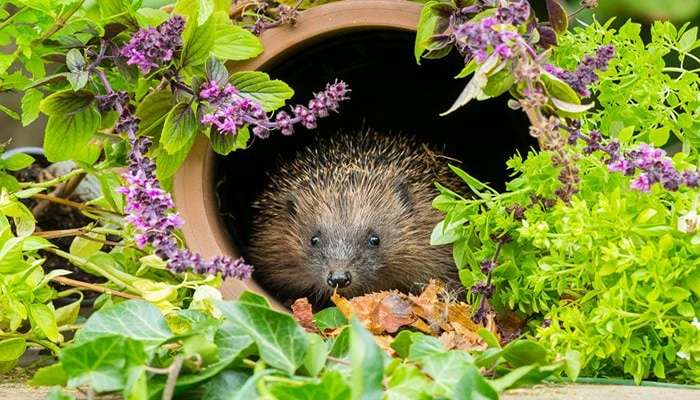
[(9, 19), (119, 277), (80, 206), (174, 372), (60, 21), (52, 182), (95, 288), (63, 190)]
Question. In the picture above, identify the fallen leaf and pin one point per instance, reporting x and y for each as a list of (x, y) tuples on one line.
[(302, 312), (394, 312)]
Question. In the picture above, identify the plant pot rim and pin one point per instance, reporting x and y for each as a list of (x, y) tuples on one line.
[(194, 186)]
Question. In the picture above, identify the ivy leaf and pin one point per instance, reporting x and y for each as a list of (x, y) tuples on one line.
[(50, 376), (198, 42), (558, 17), (66, 135), (524, 352), (102, 362), (30, 105), (258, 86), (367, 369), (134, 319), (253, 298), (179, 128), (331, 387), (221, 386), (447, 369), (407, 382), (232, 42), (329, 318), (316, 355), (281, 341), (473, 386), (63, 103)]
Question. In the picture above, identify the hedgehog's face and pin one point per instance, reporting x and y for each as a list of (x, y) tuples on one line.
[(348, 238)]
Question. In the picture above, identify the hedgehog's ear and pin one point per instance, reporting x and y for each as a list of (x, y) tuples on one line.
[(404, 195)]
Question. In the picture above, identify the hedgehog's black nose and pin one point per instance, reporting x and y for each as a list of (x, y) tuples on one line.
[(338, 279)]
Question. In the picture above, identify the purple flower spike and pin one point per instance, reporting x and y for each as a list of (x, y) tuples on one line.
[(152, 47), (584, 75), (232, 112)]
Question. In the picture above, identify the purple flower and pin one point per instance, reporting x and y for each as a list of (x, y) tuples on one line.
[(585, 74), (477, 39), (110, 101), (148, 208), (641, 183), (483, 288), (487, 266), (232, 112), (515, 13), (152, 47)]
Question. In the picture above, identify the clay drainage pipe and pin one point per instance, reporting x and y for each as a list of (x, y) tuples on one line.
[(194, 184)]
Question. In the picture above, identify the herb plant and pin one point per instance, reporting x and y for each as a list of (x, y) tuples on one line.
[(594, 243)]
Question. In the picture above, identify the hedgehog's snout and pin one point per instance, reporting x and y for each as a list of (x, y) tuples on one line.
[(339, 279)]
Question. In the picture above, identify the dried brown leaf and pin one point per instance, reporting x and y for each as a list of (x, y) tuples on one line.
[(302, 312), (394, 312)]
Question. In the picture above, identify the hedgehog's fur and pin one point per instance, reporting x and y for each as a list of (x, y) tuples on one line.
[(345, 188)]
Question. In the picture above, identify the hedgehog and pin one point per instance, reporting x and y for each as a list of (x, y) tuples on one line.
[(351, 213)]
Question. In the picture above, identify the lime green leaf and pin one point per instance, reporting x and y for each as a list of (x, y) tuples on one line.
[(233, 42), (329, 318), (18, 161), (12, 348), (524, 352), (168, 164), (255, 85), (43, 317), (330, 387), (427, 24), (85, 247), (573, 364), (659, 137), (11, 260), (30, 106), (50, 376), (198, 42)]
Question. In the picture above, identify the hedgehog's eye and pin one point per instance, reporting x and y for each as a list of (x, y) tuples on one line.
[(373, 240), (315, 239)]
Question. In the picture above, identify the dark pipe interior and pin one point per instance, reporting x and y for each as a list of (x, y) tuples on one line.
[(389, 93)]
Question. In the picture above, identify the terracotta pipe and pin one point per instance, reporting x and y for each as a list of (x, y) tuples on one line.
[(193, 185)]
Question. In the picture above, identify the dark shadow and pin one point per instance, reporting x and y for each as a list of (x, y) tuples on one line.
[(389, 93)]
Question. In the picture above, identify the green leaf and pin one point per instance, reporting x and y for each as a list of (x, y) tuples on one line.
[(559, 89), (329, 318), (659, 137), (135, 319), (78, 80), (232, 42), (11, 260), (75, 60), (331, 387), (316, 355), (43, 317), (179, 128), (424, 346), (402, 343), (30, 105), (427, 24), (524, 352), (216, 71), (685, 43), (446, 369), (198, 42), (61, 104), (153, 109), (367, 369), (50, 376), (68, 314), (686, 309), (224, 144), (66, 135), (473, 386), (102, 362), (475, 87), (206, 8), (12, 348), (18, 161), (499, 83), (233, 385), (489, 338), (256, 85), (168, 164), (84, 247), (573, 364), (253, 298), (407, 382), (571, 108), (281, 341)]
